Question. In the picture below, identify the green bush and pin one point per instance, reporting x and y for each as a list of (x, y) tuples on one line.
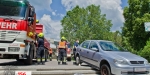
[(146, 51)]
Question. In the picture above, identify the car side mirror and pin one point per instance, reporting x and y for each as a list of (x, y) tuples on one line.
[(95, 49)]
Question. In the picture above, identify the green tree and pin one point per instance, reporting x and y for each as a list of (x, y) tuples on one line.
[(146, 51), (85, 23), (116, 37), (136, 14)]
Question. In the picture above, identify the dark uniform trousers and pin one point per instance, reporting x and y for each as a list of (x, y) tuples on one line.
[(40, 55), (62, 55), (74, 51), (50, 56)]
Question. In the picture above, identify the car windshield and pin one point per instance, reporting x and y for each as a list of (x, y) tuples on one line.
[(10, 9), (111, 46)]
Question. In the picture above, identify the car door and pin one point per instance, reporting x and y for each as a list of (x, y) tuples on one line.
[(83, 50), (92, 53)]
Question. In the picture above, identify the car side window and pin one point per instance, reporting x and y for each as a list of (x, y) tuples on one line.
[(85, 44), (93, 45)]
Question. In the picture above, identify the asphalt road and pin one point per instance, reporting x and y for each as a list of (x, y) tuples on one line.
[(4, 62), (50, 68)]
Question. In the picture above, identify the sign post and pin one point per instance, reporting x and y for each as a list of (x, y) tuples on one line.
[(147, 26)]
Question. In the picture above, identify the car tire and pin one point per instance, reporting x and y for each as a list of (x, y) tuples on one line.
[(78, 61), (69, 59), (105, 70)]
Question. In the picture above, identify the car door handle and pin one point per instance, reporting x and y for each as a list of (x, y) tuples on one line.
[(87, 52)]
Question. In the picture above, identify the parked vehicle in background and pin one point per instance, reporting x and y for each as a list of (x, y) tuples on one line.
[(110, 58), (69, 50)]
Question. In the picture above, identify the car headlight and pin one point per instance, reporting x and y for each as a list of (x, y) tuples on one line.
[(121, 61), (146, 62)]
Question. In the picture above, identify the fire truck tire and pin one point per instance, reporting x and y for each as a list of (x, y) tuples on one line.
[(29, 61), (20, 60)]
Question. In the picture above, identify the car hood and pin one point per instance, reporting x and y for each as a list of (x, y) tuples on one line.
[(125, 55)]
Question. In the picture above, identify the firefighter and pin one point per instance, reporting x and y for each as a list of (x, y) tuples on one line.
[(62, 51), (40, 51), (50, 54)]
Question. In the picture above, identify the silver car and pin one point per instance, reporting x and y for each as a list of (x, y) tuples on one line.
[(110, 58)]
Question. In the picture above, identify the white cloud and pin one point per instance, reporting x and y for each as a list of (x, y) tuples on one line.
[(51, 28), (53, 13), (62, 15), (41, 4), (111, 8)]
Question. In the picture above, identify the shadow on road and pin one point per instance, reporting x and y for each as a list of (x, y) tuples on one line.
[(15, 63)]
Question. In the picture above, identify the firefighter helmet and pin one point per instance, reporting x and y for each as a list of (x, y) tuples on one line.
[(40, 35)]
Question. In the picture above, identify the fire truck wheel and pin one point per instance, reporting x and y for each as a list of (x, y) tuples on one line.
[(29, 61), (20, 60)]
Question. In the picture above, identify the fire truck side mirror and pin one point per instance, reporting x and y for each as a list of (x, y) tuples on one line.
[(32, 11), (30, 21)]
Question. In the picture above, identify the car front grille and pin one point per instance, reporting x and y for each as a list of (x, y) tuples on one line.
[(137, 62)]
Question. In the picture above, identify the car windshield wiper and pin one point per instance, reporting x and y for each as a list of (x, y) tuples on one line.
[(9, 18)]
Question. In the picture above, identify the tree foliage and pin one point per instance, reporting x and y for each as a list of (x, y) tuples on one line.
[(146, 51), (116, 37), (85, 23), (134, 35)]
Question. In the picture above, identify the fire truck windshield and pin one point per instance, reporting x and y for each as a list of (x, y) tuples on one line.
[(13, 9)]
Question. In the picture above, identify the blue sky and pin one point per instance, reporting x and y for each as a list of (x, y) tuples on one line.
[(50, 12)]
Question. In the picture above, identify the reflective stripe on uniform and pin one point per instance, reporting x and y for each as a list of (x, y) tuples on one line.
[(64, 59), (38, 59), (43, 59)]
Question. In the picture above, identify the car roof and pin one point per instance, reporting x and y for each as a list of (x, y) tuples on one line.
[(99, 40)]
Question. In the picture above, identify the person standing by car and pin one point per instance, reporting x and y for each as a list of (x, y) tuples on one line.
[(76, 43)]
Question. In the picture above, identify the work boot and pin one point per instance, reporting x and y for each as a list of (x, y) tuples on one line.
[(50, 59), (64, 63), (58, 63), (37, 63), (74, 63), (43, 63)]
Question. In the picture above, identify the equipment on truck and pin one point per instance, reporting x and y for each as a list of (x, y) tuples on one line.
[(17, 30)]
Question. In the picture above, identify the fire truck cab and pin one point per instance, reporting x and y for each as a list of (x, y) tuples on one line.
[(17, 30)]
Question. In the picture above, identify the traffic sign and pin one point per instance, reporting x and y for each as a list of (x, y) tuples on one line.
[(147, 26)]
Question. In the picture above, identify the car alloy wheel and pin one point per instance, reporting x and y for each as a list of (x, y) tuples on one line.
[(77, 60), (105, 70)]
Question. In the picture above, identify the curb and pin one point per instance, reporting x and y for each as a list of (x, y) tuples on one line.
[(60, 72), (50, 68)]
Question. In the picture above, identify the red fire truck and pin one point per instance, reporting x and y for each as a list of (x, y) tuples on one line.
[(18, 30)]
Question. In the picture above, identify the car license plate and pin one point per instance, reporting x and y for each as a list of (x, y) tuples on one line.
[(139, 69)]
